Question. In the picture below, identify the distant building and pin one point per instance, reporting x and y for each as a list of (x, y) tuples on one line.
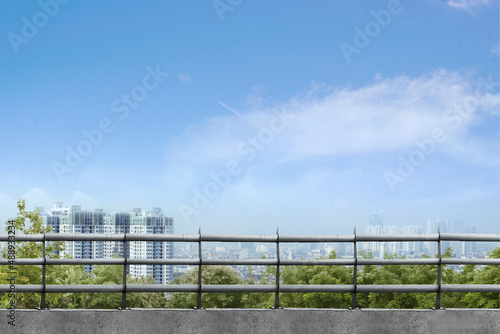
[(75, 220), (375, 220), (460, 248), (406, 248)]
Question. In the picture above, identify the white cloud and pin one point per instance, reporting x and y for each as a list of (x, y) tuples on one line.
[(8, 208), (38, 197), (184, 77), (34, 197), (468, 4), (5, 200), (336, 148), (86, 201), (386, 116), (495, 49)]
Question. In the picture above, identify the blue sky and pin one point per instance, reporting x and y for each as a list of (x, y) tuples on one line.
[(241, 116)]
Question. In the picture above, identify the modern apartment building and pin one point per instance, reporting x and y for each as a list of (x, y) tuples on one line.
[(75, 220)]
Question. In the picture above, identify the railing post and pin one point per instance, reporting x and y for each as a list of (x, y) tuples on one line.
[(44, 273), (277, 295), (198, 301), (438, 294), (355, 272), (124, 293)]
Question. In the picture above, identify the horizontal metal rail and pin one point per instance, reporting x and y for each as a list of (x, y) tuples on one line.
[(253, 238), (276, 288), (255, 262), (208, 288)]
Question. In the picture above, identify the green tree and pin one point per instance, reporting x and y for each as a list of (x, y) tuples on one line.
[(30, 222), (113, 275), (103, 275), (145, 299), (489, 275), (403, 275), (258, 299), (316, 275), (219, 275), (68, 275)]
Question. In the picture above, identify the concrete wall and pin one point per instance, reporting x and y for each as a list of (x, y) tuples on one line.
[(231, 321)]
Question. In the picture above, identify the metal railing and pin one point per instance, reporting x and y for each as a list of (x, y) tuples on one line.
[(277, 288)]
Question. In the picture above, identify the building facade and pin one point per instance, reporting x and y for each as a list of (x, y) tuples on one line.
[(75, 220)]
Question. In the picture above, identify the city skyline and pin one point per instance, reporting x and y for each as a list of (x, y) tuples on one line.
[(250, 116), (75, 219), (373, 219)]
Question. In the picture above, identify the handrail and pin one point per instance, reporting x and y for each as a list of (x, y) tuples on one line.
[(253, 238), (276, 288)]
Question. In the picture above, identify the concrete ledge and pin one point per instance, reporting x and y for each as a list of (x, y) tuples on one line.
[(253, 321)]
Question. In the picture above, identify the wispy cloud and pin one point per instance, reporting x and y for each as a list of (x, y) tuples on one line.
[(386, 116), (389, 115), (7, 208), (38, 197), (338, 145), (496, 49), (184, 77), (86, 201), (468, 5)]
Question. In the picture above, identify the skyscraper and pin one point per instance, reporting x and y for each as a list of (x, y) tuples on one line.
[(74, 220), (375, 219), (432, 227)]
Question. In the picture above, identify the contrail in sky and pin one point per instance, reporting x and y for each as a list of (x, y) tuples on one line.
[(237, 113)]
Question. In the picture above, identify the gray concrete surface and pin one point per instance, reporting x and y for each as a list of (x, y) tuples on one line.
[(240, 321)]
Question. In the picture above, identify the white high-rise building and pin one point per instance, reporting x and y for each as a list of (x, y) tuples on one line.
[(390, 247), (432, 227), (74, 220), (373, 246), (406, 248), (411, 247)]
